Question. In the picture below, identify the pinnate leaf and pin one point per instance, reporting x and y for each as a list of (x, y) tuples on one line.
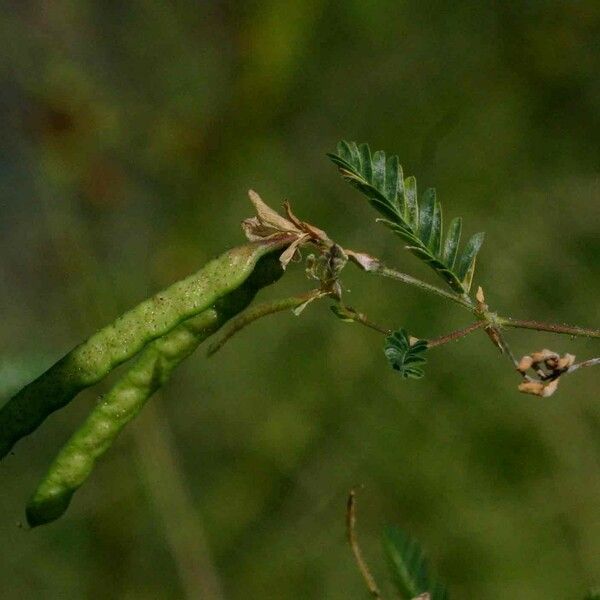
[(404, 357), (420, 224)]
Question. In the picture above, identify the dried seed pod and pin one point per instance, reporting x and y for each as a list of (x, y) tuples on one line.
[(525, 364), (539, 388), (542, 356), (566, 361)]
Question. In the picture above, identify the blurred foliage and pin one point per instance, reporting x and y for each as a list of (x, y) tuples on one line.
[(409, 567), (130, 134)]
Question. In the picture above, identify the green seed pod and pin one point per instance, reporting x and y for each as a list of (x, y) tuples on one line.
[(151, 370), (92, 360)]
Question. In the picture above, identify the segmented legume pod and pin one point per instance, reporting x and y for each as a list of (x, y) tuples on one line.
[(92, 360), (152, 369)]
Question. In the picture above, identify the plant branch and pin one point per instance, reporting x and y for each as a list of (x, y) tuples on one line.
[(506, 348), (373, 265), (348, 314), (356, 551), (464, 301), (254, 313), (572, 330), (455, 335)]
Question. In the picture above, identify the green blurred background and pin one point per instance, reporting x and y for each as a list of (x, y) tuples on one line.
[(130, 134)]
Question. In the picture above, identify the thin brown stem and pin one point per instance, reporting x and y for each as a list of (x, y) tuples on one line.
[(499, 340), (356, 551), (372, 325), (349, 314), (373, 265), (550, 327), (455, 335)]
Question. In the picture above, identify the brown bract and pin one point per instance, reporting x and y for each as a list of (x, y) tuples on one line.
[(268, 223)]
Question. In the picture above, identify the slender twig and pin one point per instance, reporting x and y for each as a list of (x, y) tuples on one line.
[(373, 265), (362, 318), (592, 362), (350, 314), (508, 351), (455, 335), (356, 551), (347, 313), (498, 339), (463, 301), (551, 327), (254, 313)]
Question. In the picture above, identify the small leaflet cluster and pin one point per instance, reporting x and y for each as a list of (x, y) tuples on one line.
[(404, 357)]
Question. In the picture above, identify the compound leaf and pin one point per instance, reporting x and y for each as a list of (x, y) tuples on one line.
[(380, 178), (404, 357)]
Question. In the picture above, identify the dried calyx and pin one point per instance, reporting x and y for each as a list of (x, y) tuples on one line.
[(325, 267), (268, 223), (548, 367)]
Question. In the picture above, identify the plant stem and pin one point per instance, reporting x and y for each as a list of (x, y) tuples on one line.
[(347, 313), (498, 339), (253, 313), (350, 314), (455, 335), (551, 327), (464, 301), (592, 362), (356, 551), (373, 265)]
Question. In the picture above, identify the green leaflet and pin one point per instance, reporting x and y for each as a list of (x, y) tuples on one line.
[(403, 357), (409, 567), (420, 224), (452, 242), (466, 265)]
